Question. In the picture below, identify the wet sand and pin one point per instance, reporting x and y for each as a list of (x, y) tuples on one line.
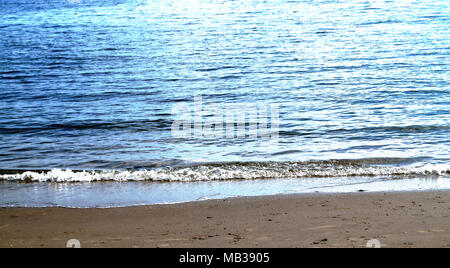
[(413, 219)]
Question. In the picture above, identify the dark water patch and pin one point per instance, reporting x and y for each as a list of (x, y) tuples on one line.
[(437, 16), (142, 125), (212, 69), (16, 77), (394, 130), (104, 96), (324, 32), (286, 152), (9, 72), (228, 77), (379, 22), (431, 53)]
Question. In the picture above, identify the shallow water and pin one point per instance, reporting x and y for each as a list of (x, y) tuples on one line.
[(90, 85), (123, 194)]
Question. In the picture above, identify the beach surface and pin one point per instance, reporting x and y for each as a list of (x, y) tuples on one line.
[(408, 219)]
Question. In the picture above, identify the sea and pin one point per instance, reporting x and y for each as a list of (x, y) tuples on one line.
[(112, 103)]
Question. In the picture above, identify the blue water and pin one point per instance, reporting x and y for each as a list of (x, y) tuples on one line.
[(362, 87)]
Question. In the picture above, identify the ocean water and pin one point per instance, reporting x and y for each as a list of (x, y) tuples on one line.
[(88, 90)]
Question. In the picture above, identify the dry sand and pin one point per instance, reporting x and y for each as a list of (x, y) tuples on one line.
[(415, 219)]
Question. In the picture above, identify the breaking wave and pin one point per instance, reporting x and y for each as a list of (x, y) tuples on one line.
[(236, 171)]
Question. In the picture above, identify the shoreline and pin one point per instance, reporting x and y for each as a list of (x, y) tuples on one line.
[(397, 219), (126, 194)]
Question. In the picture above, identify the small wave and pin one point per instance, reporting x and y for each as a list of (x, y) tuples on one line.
[(137, 125), (396, 129), (228, 77), (211, 69), (16, 77), (235, 171), (380, 22)]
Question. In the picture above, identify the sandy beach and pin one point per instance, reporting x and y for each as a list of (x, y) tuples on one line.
[(414, 219)]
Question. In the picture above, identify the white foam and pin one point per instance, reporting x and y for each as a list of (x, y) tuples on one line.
[(231, 172)]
